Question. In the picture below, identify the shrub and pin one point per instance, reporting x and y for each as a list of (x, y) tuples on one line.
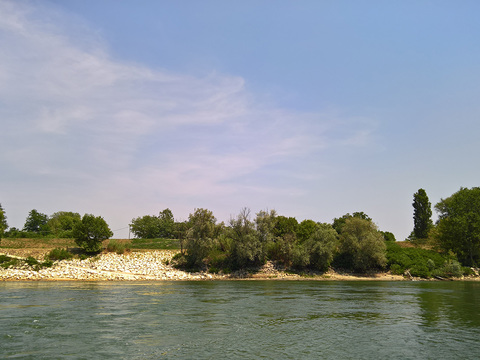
[(396, 269), (59, 254), (115, 246), (31, 261)]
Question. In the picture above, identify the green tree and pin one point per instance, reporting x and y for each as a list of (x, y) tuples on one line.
[(61, 223), (338, 223), (90, 232), (151, 227), (285, 225), (265, 223), (362, 244), (36, 222), (3, 221), (200, 234), (146, 227), (247, 249), (422, 215), (388, 236), (458, 226), (319, 250), (306, 229), (167, 223)]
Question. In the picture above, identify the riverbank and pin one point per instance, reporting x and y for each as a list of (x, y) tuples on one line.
[(155, 265)]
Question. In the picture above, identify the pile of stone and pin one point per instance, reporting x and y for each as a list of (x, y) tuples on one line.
[(110, 266)]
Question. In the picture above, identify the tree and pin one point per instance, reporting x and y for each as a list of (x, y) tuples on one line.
[(61, 223), (247, 249), (167, 223), (90, 232), (338, 223), (306, 229), (3, 221), (265, 223), (458, 225), (318, 250), (146, 227), (36, 222), (362, 244), (388, 236), (200, 233), (285, 225), (422, 215), (151, 227)]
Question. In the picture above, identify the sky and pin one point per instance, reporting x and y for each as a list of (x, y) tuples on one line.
[(312, 108)]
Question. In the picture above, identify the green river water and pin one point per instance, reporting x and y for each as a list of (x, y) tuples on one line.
[(240, 320)]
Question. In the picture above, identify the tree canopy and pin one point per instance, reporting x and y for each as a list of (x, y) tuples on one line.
[(36, 222), (458, 226), (90, 232), (362, 244), (422, 215), (338, 223), (151, 227)]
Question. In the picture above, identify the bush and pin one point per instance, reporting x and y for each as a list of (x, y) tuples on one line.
[(420, 262), (7, 261), (451, 268), (31, 261), (59, 254), (115, 246)]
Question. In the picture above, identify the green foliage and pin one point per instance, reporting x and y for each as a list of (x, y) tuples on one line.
[(160, 244), (7, 261), (59, 254), (305, 230), (151, 227), (388, 236), (420, 262), (422, 215), (90, 232), (247, 248), (362, 245), (200, 234), (3, 222), (318, 251), (61, 223), (322, 247), (285, 225), (265, 223), (458, 226), (117, 247), (145, 227), (36, 222), (451, 268), (338, 223)]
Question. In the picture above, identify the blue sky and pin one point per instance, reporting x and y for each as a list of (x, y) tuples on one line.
[(312, 108)]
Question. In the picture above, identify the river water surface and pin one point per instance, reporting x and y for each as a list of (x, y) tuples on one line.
[(240, 320)]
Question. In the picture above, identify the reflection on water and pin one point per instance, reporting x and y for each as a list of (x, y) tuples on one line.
[(244, 319)]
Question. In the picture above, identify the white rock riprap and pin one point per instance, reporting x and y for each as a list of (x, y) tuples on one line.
[(109, 266)]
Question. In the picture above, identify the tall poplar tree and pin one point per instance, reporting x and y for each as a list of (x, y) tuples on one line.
[(3, 221), (422, 215)]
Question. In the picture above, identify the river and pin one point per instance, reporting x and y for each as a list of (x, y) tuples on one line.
[(240, 320)]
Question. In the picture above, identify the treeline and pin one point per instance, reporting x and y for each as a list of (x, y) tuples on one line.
[(352, 241)]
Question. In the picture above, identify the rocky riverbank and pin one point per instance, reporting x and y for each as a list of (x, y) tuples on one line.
[(155, 265)]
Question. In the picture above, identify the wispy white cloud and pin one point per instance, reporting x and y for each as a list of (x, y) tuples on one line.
[(72, 114)]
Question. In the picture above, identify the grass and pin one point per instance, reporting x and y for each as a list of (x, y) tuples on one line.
[(155, 244)]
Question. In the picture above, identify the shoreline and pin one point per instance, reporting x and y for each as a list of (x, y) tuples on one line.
[(155, 266)]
